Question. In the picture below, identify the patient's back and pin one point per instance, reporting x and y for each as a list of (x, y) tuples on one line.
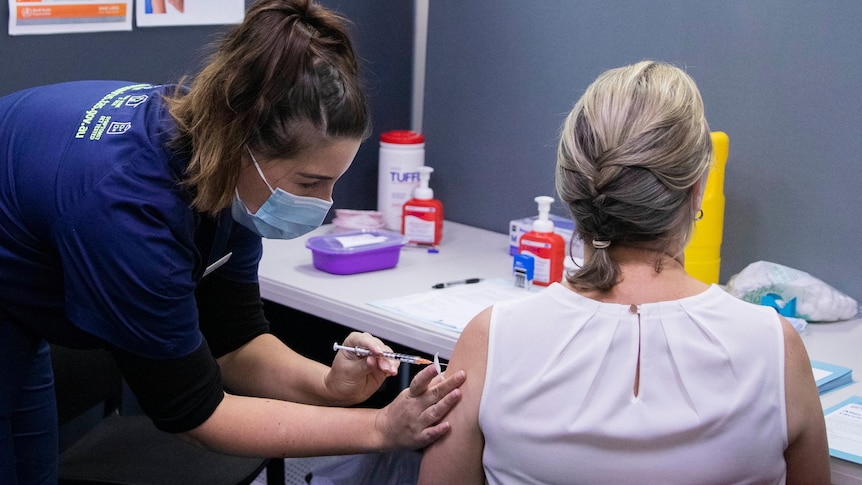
[(559, 403)]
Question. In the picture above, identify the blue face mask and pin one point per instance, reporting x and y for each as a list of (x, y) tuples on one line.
[(283, 215)]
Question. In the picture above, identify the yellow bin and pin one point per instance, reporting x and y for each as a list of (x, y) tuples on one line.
[(703, 253)]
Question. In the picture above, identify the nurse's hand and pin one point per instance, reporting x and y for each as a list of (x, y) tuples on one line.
[(413, 419), (352, 378)]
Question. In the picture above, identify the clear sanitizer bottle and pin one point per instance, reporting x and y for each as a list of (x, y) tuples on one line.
[(422, 217), (547, 248)]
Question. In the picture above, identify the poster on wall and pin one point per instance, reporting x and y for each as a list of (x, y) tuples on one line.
[(68, 16), (159, 13)]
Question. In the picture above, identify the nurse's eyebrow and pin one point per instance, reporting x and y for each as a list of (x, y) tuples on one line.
[(315, 176)]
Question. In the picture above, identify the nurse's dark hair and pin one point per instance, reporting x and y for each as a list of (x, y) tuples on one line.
[(282, 82), (631, 154)]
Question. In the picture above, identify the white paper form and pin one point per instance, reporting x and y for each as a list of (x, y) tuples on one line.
[(68, 16), (844, 429), (453, 307)]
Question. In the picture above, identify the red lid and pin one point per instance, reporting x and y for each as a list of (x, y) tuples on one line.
[(402, 137)]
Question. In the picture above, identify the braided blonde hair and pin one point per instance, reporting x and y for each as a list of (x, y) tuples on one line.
[(631, 153)]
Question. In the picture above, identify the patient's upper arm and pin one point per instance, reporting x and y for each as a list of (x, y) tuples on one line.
[(457, 457)]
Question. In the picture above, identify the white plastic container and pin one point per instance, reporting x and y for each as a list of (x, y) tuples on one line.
[(402, 152)]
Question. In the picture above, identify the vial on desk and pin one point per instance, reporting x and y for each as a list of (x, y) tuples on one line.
[(402, 152)]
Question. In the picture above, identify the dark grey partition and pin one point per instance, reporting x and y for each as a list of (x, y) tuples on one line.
[(780, 77), (383, 33)]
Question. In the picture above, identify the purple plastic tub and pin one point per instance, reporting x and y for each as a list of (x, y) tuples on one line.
[(355, 251)]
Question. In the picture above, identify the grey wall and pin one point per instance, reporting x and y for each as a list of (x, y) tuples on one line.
[(383, 34), (782, 78)]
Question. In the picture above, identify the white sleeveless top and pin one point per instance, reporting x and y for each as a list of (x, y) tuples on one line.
[(558, 405)]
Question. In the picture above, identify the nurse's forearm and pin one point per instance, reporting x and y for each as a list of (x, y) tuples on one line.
[(270, 428), (266, 367)]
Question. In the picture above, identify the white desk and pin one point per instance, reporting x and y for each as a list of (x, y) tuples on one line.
[(288, 277), (838, 343)]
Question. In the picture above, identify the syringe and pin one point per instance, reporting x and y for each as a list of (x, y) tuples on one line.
[(410, 359)]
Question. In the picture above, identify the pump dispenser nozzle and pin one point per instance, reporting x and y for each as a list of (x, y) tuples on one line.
[(423, 192), (543, 223)]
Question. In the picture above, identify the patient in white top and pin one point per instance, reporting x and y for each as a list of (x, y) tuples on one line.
[(632, 371)]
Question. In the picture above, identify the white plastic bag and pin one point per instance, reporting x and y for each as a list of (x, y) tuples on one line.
[(815, 300)]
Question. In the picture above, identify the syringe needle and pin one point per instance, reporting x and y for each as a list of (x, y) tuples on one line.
[(361, 352)]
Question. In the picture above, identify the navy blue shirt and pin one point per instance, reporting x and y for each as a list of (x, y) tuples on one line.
[(99, 245)]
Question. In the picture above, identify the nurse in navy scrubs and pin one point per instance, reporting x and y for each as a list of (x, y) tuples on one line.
[(131, 218)]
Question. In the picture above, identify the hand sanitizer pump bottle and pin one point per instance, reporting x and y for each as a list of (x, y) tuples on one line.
[(422, 217), (547, 248)]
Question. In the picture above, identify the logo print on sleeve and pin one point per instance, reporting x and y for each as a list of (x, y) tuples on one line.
[(118, 128), (102, 120), (135, 101)]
